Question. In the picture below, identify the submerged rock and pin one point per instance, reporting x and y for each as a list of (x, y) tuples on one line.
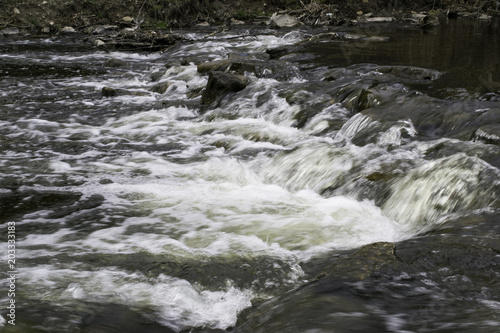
[(113, 62), (160, 88), (156, 76), (220, 83), (234, 64)]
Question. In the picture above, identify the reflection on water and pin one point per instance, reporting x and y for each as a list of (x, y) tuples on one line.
[(467, 51)]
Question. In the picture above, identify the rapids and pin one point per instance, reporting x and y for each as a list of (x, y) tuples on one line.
[(352, 186)]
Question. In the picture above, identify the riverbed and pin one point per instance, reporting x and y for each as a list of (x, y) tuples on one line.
[(352, 186)]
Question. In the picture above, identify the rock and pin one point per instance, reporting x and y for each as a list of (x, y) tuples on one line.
[(160, 88), (234, 64), (109, 92), (99, 43), (284, 21), (16, 11), (484, 17), (112, 92), (220, 83), (217, 65), (203, 24), (114, 63), (488, 134), (68, 30), (101, 29), (45, 30), (236, 22), (156, 76), (410, 72), (378, 19), (127, 19), (425, 20), (10, 31), (359, 13)]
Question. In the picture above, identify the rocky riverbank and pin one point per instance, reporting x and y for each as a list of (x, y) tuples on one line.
[(21, 17)]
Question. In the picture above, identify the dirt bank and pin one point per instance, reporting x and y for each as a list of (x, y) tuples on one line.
[(50, 16)]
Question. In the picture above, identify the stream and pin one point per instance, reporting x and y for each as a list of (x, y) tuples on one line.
[(352, 186)]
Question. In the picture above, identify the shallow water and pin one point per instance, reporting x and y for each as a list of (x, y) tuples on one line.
[(263, 211)]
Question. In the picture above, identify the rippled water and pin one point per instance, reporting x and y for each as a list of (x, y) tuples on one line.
[(259, 213)]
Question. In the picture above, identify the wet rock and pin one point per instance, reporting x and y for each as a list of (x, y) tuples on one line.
[(424, 20), (156, 76), (410, 72), (160, 88), (217, 65), (360, 264), (488, 134), (234, 64), (281, 51), (359, 289), (113, 62), (10, 31), (112, 92), (109, 92), (220, 83), (284, 21)]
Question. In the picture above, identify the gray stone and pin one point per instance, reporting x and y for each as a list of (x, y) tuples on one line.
[(99, 43), (220, 83), (68, 30), (284, 21), (10, 31)]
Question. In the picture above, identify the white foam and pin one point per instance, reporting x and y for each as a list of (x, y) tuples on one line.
[(174, 302)]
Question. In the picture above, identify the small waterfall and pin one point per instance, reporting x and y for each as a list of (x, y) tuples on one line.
[(452, 184)]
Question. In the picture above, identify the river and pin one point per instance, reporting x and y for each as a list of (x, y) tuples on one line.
[(352, 186)]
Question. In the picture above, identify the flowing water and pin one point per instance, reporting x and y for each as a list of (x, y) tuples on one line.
[(264, 211)]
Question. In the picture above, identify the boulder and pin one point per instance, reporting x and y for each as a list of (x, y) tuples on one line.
[(284, 21), (221, 83)]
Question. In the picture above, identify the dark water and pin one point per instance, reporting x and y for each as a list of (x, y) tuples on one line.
[(352, 186)]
